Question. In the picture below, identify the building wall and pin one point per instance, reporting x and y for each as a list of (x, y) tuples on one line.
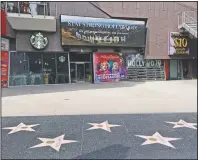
[(191, 4), (66, 8), (162, 19)]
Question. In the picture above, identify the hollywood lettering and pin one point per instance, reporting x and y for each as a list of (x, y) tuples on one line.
[(135, 63), (142, 63)]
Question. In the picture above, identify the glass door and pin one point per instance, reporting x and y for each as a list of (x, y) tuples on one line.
[(73, 72), (87, 72), (80, 72), (173, 69)]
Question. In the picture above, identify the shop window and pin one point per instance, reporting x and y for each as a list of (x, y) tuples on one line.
[(25, 69), (49, 68), (62, 68), (139, 68), (18, 69), (35, 68)]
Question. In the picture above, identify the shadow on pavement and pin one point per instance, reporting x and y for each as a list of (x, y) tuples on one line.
[(25, 90), (112, 152)]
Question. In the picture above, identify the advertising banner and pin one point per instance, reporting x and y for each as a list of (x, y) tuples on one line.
[(137, 61), (178, 44), (87, 31), (4, 44), (109, 67), (4, 68)]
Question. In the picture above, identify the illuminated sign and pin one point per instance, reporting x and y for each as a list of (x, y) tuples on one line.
[(178, 44), (87, 31)]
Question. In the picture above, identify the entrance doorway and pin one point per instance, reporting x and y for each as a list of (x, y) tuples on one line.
[(187, 69), (80, 72), (80, 67)]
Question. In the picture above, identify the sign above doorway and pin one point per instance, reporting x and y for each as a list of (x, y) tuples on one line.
[(178, 44)]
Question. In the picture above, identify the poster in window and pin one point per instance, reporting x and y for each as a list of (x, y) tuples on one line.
[(109, 67)]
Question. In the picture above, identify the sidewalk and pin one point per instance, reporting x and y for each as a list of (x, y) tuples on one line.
[(117, 98)]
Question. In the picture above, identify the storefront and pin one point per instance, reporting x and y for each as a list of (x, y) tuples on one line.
[(181, 54), (114, 67), (96, 50), (36, 68), (108, 35), (93, 50)]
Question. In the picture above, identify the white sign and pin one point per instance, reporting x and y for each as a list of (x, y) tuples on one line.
[(61, 59), (4, 44), (137, 60), (38, 40)]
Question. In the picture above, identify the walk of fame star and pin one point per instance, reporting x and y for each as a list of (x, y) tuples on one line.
[(157, 138), (21, 127), (182, 124), (104, 125), (55, 143)]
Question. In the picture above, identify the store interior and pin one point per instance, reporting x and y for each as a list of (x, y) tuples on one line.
[(180, 69), (36, 68)]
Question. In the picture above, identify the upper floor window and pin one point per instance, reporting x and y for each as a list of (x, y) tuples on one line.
[(27, 7)]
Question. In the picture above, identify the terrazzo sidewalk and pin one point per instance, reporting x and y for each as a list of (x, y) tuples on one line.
[(100, 137)]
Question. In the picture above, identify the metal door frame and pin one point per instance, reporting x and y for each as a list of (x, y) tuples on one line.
[(77, 63)]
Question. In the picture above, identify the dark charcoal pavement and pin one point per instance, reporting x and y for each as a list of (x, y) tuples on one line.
[(120, 143)]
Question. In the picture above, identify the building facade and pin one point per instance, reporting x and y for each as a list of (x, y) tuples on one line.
[(71, 42)]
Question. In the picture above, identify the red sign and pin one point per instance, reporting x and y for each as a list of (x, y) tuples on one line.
[(3, 23), (4, 68)]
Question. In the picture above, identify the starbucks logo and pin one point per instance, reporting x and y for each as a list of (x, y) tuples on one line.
[(38, 40), (61, 59)]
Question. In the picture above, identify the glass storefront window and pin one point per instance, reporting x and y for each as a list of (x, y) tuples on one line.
[(35, 68), (49, 68), (88, 72), (38, 68), (62, 68), (73, 72), (19, 69)]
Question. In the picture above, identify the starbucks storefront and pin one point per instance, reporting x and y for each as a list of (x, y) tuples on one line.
[(36, 68)]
